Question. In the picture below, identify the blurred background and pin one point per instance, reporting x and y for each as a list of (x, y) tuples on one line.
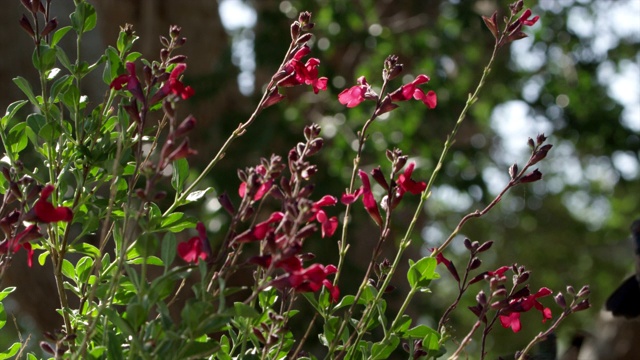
[(576, 78)]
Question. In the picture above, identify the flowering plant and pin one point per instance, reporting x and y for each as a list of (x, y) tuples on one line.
[(98, 175)]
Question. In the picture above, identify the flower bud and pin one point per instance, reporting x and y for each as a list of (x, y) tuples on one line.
[(475, 263), (584, 291), (51, 25), (481, 298), (467, 244), (571, 291), (295, 30), (559, 298), (582, 305), (378, 176), (485, 246), (185, 126), (533, 176)]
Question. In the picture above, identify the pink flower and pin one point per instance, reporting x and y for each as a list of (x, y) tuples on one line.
[(354, 95), (411, 90), (440, 259), (47, 213), (197, 247), (368, 200)]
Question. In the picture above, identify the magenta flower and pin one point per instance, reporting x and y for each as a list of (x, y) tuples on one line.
[(411, 90), (440, 259), (354, 95), (262, 189), (197, 247), (47, 213), (174, 86)]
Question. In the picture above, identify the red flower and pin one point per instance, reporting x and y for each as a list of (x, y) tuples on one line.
[(524, 18), (174, 86), (411, 90), (47, 213), (299, 73), (510, 317), (354, 95), (131, 80), (348, 199), (23, 238), (310, 279), (368, 200), (407, 184), (197, 247), (440, 259), (260, 230), (511, 321), (329, 225)]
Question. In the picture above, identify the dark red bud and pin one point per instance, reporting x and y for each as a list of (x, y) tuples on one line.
[(582, 305), (535, 175), (51, 25), (540, 154), (486, 246), (475, 263), (26, 25), (378, 176), (513, 171), (186, 126), (178, 59), (559, 298)]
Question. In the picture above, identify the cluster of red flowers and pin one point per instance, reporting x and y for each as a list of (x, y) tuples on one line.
[(42, 211)]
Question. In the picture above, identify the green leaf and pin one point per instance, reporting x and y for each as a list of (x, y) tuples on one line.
[(177, 222), (58, 86), (168, 250), (382, 350), (402, 325), (422, 272), (86, 249), (151, 260), (59, 34), (44, 58), (23, 84), (42, 258), (180, 174), (3, 316), (113, 65), (420, 332), (245, 310), (17, 138), (11, 352), (68, 270), (12, 109), (83, 269), (4, 293), (84, 18)]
